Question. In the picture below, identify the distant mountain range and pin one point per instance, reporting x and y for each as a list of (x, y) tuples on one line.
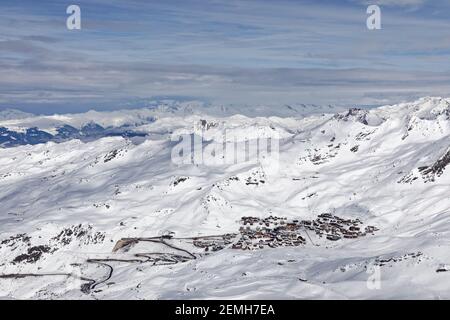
[(356, 205), (90, 131), (20, 128)]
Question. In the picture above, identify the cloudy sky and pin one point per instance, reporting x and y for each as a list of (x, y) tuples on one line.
[(222, 51)]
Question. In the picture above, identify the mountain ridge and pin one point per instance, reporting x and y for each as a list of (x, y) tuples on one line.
[(67, 206)]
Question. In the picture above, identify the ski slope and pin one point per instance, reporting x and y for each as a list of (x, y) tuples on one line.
[(67, 205)]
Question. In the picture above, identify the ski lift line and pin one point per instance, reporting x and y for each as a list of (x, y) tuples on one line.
[(309, 236)]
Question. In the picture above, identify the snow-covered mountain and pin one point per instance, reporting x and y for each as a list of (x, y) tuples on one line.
[(19, 128), (357, 207)]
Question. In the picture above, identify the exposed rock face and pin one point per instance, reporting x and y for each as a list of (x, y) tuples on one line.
[(120, 214), (354, 114), (430, 173)]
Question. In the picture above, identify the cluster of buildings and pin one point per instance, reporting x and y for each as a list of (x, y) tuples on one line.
[(259, 233), (335, 228), (270, 232)]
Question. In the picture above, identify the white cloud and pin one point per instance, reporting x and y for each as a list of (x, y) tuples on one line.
[(232, 51), (395, 3)]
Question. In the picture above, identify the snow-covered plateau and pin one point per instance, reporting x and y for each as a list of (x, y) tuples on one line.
[(93, 207)]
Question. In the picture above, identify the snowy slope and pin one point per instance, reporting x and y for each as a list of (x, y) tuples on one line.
[(20, 121), (69, 209)]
